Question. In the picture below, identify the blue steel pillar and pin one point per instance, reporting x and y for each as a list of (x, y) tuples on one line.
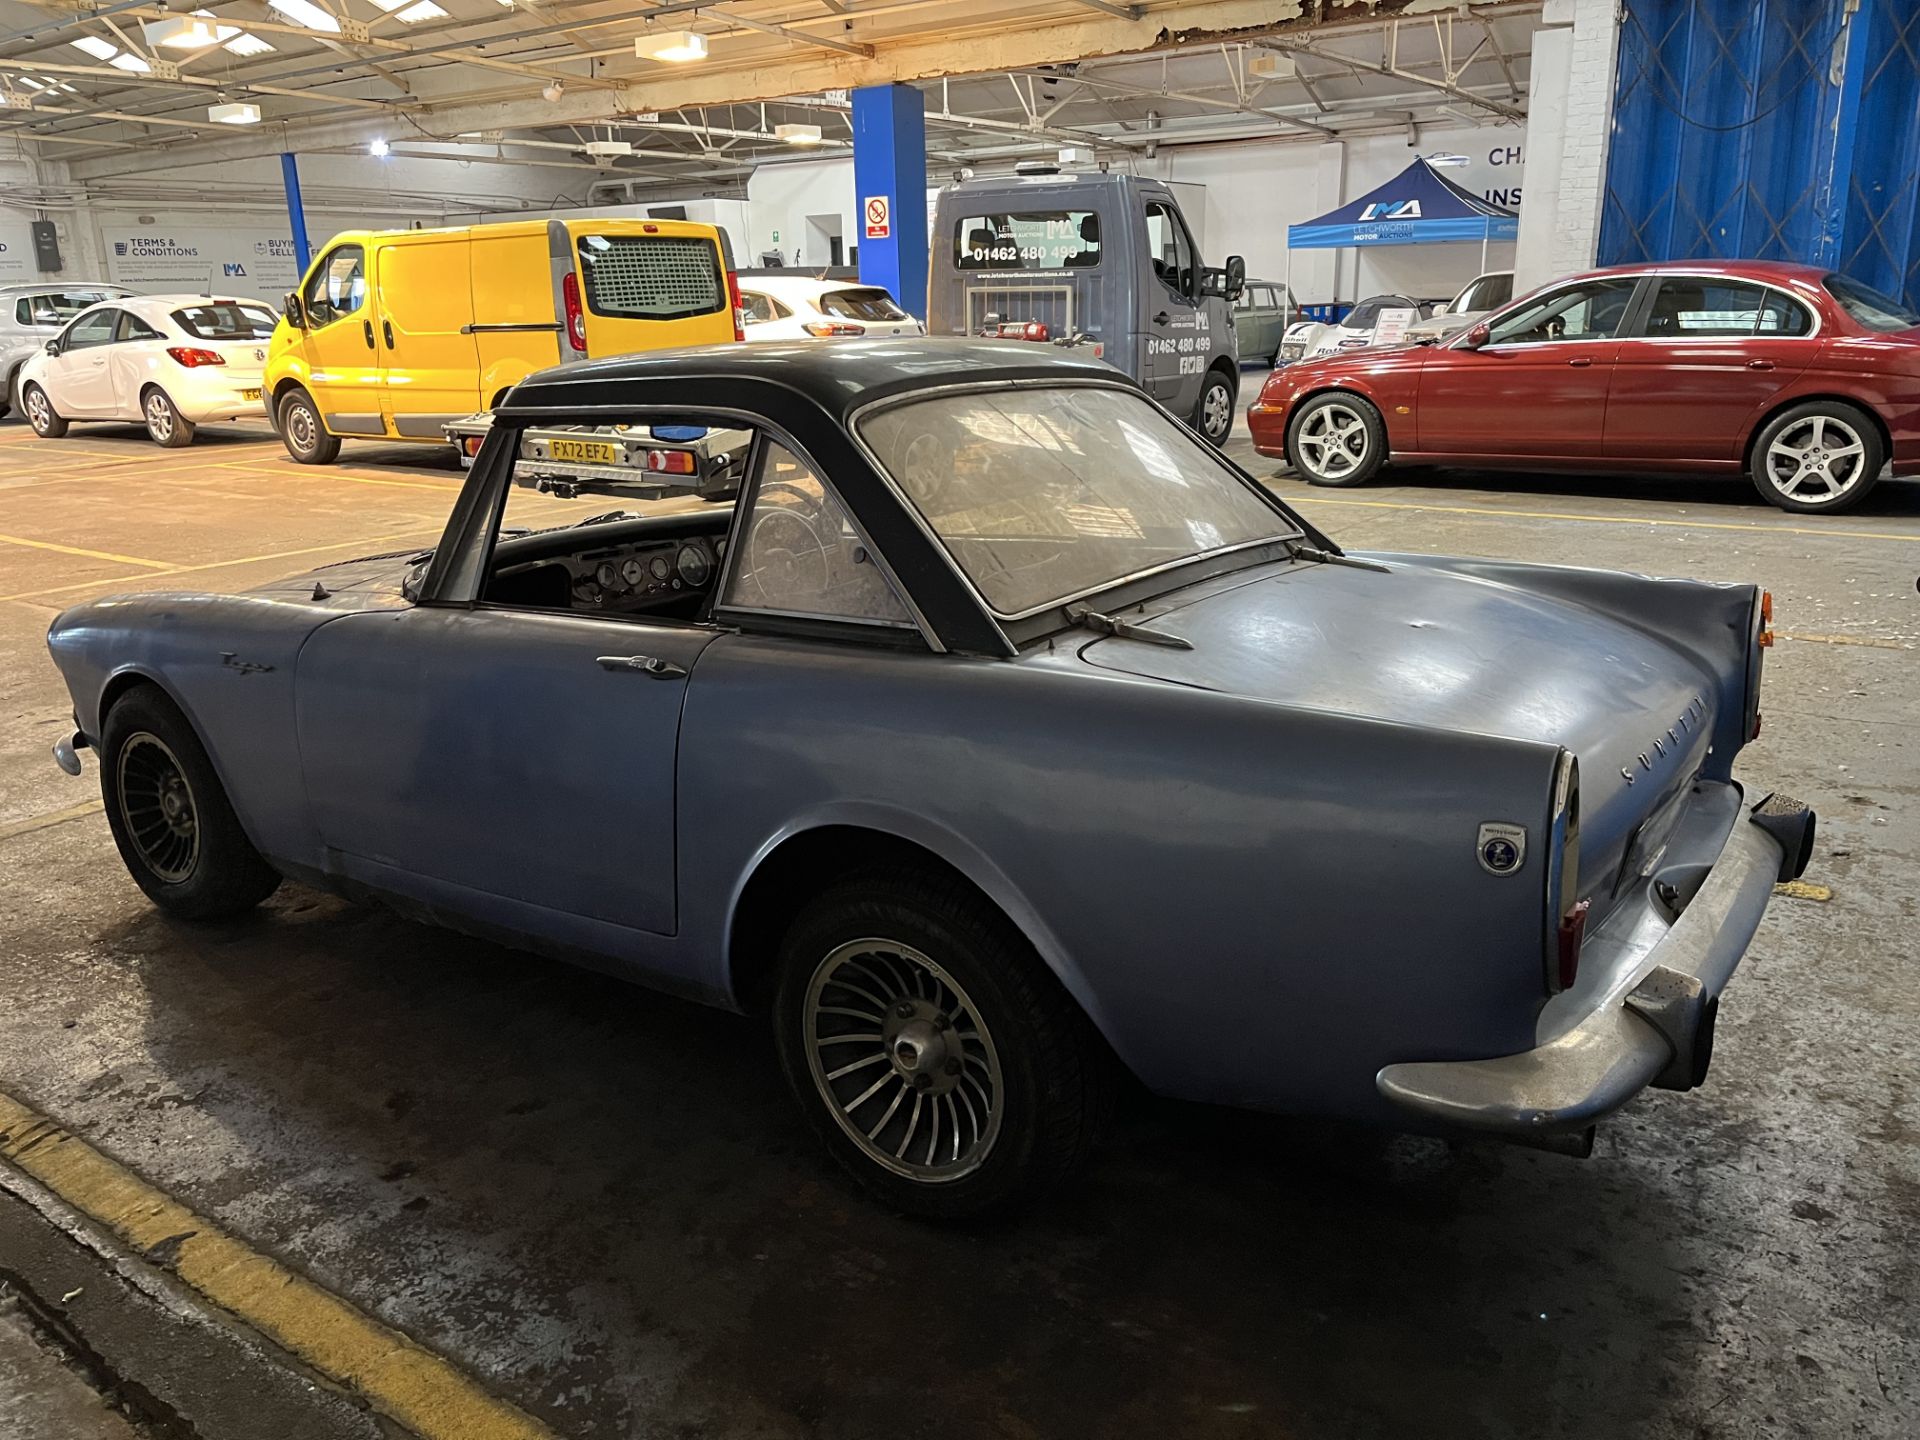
[(890, 191), (296, 212)]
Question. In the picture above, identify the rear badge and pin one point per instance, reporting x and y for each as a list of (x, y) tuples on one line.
[(1503, 848)]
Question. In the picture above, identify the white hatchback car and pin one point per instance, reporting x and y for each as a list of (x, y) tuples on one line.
[(799, 307), (175, 362)]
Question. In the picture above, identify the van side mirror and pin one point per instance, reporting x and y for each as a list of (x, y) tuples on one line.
[(1236, 276), (290, 303), (1476, 337)]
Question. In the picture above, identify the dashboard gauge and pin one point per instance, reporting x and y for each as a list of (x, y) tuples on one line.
[(693, 565), (633, 572), (661, 567), (607, 575)]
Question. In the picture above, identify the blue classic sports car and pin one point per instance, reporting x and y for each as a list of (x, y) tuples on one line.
[(968, 714)]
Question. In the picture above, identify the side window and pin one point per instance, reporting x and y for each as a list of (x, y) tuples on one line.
[(338, 287), (798, 553), (1167, 244), (132, 327), (1781, 316), (23, 311), (1693, 306), (1590, 311), (758, 308), (94, 328)]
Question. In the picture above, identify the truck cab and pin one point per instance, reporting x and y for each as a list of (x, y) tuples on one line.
[(1102, 260)]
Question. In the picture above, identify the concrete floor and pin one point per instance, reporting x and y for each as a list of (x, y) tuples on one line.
[(597, 1201)]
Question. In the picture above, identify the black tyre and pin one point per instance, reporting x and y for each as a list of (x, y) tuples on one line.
[(1819, 457), (46, 421), (1213, 412), (164, 421), (302, 433), (932, 1051), (176, 832), (1337, 439)]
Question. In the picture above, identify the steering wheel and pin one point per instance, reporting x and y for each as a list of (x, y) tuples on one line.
[(788, 557)]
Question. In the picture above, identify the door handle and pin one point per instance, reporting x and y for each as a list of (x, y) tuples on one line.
[(1161, 318), (1760, 364), (367, 325), (1580, 362), (386, 329), (649, 665)]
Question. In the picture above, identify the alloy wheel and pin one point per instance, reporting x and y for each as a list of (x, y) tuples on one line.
[(38, 410), (1816, 460), (157, 807), (903, 1060), (159, 416), (1332, 441)]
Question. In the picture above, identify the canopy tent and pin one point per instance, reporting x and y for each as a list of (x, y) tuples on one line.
[(1419, 206)]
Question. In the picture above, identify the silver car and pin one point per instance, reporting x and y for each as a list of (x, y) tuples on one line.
[(1480, 297), (32, 314)]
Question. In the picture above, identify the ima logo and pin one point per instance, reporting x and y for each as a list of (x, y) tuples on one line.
[(1392, 210), (233, 267)]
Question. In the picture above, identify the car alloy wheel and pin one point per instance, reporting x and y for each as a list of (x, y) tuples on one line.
[(158, 809), (903, 1061), (39, 409), (1816, 460), (1332, 442), (159, 417)]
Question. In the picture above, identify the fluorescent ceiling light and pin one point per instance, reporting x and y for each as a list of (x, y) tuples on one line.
[(414, 14), (31, 83), (234, 114), (305, 12), (96, 47), (245, 44), (1446, 161), (675, 47), (130, 62), (378, 148), (798, 134)]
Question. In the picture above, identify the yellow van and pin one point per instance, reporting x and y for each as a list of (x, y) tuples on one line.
[(394, 333)]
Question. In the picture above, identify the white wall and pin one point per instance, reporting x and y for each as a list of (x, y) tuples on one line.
[(781, 197), (1571, 107)]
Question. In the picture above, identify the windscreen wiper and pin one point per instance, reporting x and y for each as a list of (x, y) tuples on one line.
[(1300, 550), (1121, 630)]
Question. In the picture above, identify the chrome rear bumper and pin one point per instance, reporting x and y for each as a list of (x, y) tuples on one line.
[(1659, 1032), (66, 752)]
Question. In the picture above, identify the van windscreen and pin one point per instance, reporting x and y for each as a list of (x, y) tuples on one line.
[(1027, 240), (652, 277)]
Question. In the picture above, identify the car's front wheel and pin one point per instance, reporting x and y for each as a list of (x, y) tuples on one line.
[(1337, 439), (47, 422), (1819, 457), (175, 830), (302, 433), (936, 1056), (164, 422)]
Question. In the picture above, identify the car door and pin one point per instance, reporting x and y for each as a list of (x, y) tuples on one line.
[(130, 362), (337, 344), (78, 379), (1707, 356), (429, 360), (1538, 387), (1174, 324)]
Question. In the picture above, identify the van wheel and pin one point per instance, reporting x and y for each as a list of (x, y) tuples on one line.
[(46, 421), (1817, 458), (1337, 439), (302, 433), (1213, 414), (164, 422)]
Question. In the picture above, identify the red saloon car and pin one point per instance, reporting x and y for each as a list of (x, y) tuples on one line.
[(1804, 379)]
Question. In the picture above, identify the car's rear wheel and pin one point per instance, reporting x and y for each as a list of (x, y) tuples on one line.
[(1818, 457), (175, 830), (302, 433), (935, 1055), (1337, 439), (1213, 413), (46, 421), (164, 421)]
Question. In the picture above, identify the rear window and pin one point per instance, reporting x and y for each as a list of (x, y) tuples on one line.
[(226, 322), (55, 307), (872, 304), (1027, 240), (1869, 306), (652, 277)]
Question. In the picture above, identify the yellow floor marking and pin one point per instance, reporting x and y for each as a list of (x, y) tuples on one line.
[(1873, 641), (397, 1376), (51, 818), (424, 531), (450, 483), (88, 554), (1804, 890), (1489, 511)]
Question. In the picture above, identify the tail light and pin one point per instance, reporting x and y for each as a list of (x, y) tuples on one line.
[(671, 462), (832, 327), (193, 359), (1766, 620), (739, 306), (471, 444), (576, 317), (1573, 930), (1566, 912)]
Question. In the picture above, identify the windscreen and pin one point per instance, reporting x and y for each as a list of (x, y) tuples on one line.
[(1489, 292), (1027, 240), (652, 277), (1869, 306), (1042, 495), (224, 321), (870, 304), (56, 307)]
